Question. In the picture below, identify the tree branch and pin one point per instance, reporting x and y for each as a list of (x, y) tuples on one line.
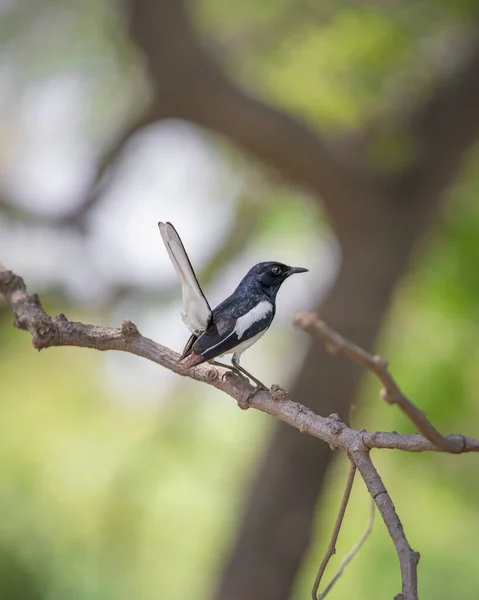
[(408, 559), (354, 550), (58, 331), (77, 216), (334, 537), (191, 85), (47, 332), (378, 365)]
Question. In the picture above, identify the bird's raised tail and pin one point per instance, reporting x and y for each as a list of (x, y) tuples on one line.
[(196, 312)]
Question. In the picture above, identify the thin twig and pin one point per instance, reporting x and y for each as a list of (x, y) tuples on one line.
[(354, 550), (337, 528), (378, 365)]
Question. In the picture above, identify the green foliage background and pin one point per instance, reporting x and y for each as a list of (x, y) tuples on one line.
[(104, 499)]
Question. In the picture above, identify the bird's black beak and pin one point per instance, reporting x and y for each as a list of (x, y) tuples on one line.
[(294, 270)]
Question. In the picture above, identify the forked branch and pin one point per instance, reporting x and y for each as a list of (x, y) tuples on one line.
[(59, 331), (378, 365)]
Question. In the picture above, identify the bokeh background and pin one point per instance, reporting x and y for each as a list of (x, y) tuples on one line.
[(339, 136)]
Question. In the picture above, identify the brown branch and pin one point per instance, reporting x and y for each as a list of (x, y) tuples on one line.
[(58, 331), (77, 216), (334, 536), (354, 550), (378, 365), (191, 85), (408, 559)]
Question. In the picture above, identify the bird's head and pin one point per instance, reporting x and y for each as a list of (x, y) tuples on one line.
[(270, 275)]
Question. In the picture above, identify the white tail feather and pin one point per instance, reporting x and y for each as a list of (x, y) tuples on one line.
[(196, 312)]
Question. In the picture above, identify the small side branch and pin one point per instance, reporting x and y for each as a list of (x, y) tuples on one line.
[(354, 550), (77, 217), (408, 559), (334, 537), (378, 365)]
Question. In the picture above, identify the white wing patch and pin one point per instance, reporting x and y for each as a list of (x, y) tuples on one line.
[(256, 314), (196, 312), (246, 344)]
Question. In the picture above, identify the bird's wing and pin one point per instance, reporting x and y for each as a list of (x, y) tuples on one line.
[(226, 333), (196, 312)]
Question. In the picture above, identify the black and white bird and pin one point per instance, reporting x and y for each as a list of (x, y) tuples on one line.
[(235, 324)]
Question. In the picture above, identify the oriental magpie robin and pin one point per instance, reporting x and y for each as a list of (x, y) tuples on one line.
[(235, 324)]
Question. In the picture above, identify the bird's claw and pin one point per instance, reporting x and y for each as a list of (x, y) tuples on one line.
[(245, 403), (226, 374), (260, 386)]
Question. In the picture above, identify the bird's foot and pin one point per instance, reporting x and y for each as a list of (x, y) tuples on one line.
[(229, 375), (260, 386), (245, 403), (228, 370)]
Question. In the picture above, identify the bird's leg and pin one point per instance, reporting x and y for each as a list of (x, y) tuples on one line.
[(222, 365), (218, 364), (236, 364)]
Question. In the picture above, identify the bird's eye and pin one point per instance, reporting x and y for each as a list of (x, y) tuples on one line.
[(276, 270)]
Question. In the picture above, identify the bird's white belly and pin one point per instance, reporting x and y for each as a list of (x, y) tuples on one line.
[(245, 345)]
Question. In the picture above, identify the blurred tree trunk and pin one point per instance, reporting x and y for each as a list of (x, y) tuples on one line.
[(379, 220), (275, 533)]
